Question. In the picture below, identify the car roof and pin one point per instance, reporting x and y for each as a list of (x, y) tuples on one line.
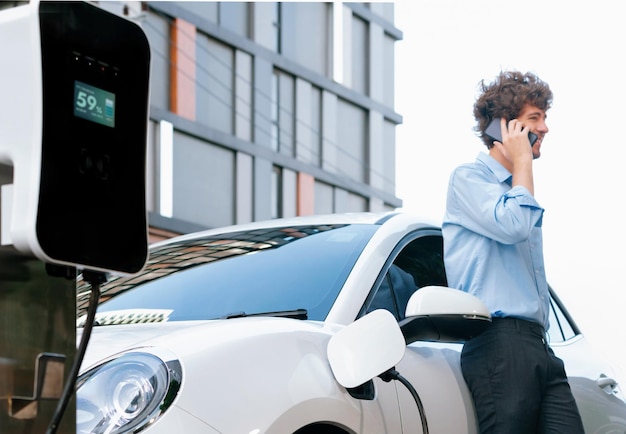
[(321, 219)]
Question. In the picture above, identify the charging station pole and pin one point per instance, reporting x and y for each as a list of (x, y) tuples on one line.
[(37, 343), (73, 135)]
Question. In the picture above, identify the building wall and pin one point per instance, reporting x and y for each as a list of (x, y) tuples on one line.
[(262, 110)]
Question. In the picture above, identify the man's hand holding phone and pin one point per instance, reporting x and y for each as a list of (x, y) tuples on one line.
[(512, 144), (495, 127)]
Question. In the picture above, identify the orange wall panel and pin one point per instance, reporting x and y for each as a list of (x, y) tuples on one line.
[(183, 69), (306, 194)]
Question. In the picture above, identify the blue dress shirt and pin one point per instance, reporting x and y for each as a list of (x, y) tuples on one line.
[(493, 244)]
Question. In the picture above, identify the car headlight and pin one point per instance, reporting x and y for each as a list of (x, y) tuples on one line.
[(125, 394)]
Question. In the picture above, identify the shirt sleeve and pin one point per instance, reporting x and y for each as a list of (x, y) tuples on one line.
[(479, 203)]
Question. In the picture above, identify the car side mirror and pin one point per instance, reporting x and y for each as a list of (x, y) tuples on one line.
[(439, 313), (368, 347)]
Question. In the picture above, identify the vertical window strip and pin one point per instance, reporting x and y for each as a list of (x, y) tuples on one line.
[(275, 94), (166, 169), (338, 73)]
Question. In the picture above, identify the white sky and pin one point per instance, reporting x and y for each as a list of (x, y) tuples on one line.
[(578, 47)]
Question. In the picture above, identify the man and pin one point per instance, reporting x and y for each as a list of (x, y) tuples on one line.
[(493, 250)]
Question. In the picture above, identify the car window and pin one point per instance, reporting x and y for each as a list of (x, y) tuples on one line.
[(560, 328), (419, 263), (248, 272)]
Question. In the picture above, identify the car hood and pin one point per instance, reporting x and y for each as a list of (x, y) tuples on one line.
[(183, 337)]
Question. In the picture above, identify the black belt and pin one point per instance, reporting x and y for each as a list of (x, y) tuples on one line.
[(518, 324)]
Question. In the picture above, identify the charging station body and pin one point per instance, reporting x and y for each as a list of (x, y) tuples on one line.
[(73, 124)]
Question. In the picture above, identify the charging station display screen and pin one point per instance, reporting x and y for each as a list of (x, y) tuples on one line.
[(94, 104)]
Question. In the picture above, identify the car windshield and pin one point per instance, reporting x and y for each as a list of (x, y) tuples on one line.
[(235, 274)]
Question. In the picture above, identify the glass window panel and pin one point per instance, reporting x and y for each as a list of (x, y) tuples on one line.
[(206, 10), (389, 155), (215, 84), (243, 98), (350, 202), (356, 203), (560, 329), (360, 57), (305, 27), (157, 30), (324, 198), (309, 124), (276, 23), (286, 114), (234, 17), (283, 113), (198, 168), (274, 112), (388, 71), (265, 18), (276, 199), (201, 278), (316, 126), (419, 264), (352, 137)]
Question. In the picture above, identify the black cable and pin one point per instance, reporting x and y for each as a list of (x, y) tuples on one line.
[(392, 374), (96, 279)]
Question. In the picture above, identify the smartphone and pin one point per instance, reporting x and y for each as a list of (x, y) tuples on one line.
[(494, 130)]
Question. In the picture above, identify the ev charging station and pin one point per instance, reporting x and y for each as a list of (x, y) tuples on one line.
[(73, 131)]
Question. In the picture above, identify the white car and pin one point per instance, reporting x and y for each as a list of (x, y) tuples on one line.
[(284, 327)]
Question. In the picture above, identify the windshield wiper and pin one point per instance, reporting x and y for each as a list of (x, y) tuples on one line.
[(295, 314)]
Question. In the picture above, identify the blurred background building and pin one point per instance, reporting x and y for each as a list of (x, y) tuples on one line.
[(262, 110)]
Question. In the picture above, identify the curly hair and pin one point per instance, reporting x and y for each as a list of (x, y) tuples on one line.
[(506, 96)]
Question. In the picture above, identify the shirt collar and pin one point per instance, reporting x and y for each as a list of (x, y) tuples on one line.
[(501, 173)]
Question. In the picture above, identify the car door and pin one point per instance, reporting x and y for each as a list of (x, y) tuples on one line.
[(598, 395), (432, 368)]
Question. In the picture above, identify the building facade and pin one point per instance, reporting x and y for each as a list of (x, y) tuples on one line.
[(262, 110)]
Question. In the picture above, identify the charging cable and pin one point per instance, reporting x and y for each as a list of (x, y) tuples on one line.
[(95, 279), (392, 374)]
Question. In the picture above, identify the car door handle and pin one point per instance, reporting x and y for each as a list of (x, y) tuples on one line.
[(604, 382)]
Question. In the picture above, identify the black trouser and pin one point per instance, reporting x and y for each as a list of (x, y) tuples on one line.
[(518, 384)]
